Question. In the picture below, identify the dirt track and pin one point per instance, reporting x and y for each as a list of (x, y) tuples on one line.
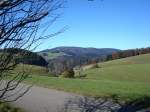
[(40, 99)]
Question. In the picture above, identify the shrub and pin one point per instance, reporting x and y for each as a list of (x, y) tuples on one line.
[(82, 76), (68, 73), (95, 66), (4, 107)]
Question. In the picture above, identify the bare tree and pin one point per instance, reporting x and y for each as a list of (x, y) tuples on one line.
[(22, 27)]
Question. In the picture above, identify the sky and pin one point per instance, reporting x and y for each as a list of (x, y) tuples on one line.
[(121, 24)]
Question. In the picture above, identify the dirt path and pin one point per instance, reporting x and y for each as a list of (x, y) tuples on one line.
[(40, 99)]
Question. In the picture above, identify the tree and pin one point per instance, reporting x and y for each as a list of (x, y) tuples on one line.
[(22, 27), (68, 73)]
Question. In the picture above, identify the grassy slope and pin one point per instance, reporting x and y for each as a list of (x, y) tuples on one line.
[(127, 73), (126, 78), (32, 70), (52, 55), (128, 69)]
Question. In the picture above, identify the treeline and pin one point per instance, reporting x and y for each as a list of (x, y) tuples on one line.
[(128, 53), (23, 56), (58, 65)]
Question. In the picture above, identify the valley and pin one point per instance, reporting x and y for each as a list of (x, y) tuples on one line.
[(126, 78)]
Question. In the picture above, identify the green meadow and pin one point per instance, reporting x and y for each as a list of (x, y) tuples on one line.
[(127, 78)]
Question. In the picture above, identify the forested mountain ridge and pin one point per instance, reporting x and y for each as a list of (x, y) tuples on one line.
[(61, 58), (79, 51)]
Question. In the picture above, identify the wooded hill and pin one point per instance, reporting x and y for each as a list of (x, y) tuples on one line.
[(62, 58), (24, 56)]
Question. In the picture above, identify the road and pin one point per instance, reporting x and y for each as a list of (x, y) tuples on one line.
[(40, 99)]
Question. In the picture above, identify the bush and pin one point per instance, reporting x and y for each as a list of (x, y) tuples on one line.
[(95, 66), (68, 73), (4, 107), (81, 76)]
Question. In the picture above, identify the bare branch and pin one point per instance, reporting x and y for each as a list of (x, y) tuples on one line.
[(21, 21)]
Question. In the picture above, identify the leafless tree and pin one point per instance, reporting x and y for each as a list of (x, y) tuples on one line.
[(22, 24)]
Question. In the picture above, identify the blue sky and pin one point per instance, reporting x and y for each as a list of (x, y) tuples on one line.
[(122, 24)]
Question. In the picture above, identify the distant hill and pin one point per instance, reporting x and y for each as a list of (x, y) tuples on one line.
[(76, 52), (61, 58), (25, 56)]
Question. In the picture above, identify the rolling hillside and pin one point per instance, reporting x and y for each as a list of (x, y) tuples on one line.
[(32, 70), (128, 69), (127, 78), (61, 58)]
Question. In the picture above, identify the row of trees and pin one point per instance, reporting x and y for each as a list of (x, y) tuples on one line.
[(128, 53), (24, 56)]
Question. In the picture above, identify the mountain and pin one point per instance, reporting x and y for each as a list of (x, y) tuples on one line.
[(61, 58), (76, 52)]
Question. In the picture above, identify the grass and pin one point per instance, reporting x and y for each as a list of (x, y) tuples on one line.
[(127, 78), (132, 73), (52, 55), (142, 59), (134, 68), (96, 88), (32, 70)]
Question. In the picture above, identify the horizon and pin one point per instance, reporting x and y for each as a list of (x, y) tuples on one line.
[(90, 48), (102, 24)]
